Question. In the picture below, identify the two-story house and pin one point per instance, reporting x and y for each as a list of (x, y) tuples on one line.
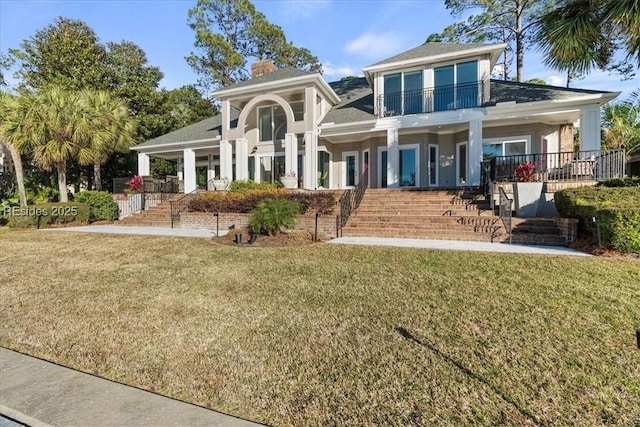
[(426, 117)]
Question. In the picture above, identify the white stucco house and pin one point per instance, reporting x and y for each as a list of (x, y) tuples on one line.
[(426, 117)]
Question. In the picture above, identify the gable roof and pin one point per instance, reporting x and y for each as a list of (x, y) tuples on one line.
[(431, 49), (279, 74), (207, 129), (356, 101)]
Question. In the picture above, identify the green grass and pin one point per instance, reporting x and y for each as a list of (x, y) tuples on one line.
[(333, 335)]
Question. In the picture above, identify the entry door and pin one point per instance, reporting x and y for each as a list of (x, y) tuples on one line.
[(350, 173)]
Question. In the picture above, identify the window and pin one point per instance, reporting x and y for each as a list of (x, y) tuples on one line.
[(455, 86), (272, 122), (298, 110), (403, 93), (491, 149)]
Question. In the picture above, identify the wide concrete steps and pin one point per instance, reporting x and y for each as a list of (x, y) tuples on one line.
[(442, 215)]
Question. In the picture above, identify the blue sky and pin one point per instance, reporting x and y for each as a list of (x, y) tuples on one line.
[(346, 35)]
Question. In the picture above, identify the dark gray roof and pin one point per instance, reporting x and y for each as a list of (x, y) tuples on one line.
[(356, 101), (505, 91), (280, 74), (204, 129), (430, 49)]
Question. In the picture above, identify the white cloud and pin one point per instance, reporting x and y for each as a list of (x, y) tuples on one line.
[(301, 9), (375, 45), (554, 80), (337, 72)]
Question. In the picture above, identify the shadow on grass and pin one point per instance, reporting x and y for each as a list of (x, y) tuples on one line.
[(406, 334)]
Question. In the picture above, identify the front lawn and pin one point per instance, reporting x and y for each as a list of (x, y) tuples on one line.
[(325, 335)]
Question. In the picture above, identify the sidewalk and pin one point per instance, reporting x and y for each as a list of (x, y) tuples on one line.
[(39, 393), (371, 241)]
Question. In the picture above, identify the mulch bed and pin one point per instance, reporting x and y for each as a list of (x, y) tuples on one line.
[(288, 238)]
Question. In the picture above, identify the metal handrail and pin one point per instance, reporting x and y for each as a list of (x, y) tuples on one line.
[(180, 205), (505, 211), (428, 100), (349, 202), (587, 165)]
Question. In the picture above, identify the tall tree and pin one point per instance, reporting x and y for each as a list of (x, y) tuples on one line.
[(579, 35), (53, 127), (66, 54), (228, 32), (113, 130), (503, 21), (8, 118)]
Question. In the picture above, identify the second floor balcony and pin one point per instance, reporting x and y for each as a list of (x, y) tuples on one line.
[(428, 100)]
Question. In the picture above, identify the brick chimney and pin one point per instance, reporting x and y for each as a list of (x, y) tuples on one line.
[(261, 68)]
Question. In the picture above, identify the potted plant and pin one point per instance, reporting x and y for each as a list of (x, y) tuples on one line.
[(135, 193), (289, 180), (220, 184), (526, 192)]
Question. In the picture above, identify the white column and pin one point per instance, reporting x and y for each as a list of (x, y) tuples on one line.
[(474, 152), (291, 153), (242, 159), (310, 180), (180, 168), (143, 164), (189, 170), (226, 160), (393, 158), (590, 128)]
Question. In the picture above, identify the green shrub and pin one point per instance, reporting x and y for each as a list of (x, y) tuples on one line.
[(617, 210), (633, 181), (46, 214), (272, 215), (213, 201), (247, 186), (102, 206)]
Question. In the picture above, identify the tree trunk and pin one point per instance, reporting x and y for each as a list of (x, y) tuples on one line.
[(17, 165), (62, 181), (519, 43), (97, 177)]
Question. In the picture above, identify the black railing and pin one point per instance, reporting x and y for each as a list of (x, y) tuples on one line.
[(349, 202), (505, 211), (592, 165), (181, 204), (444, 98)]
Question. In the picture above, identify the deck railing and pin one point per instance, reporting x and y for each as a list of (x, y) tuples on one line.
[(442, 98), (590, 165)]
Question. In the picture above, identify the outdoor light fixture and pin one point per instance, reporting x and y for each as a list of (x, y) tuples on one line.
[(254, 149)]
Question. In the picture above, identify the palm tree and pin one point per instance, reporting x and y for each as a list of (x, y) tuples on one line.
[(113, 130), (581, 34), (8, 118), (621, 123), (53, 126)]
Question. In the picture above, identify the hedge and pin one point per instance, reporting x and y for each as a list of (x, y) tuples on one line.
[(247, 202), (47, 214), (102, 206), (617, 210)]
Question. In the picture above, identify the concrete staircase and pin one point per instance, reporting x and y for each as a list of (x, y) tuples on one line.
[(442, 215), (156, 216)]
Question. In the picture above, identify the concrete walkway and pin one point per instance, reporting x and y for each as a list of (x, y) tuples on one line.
[(459, 245), (39, 393), (370, 241), (141, 231)]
